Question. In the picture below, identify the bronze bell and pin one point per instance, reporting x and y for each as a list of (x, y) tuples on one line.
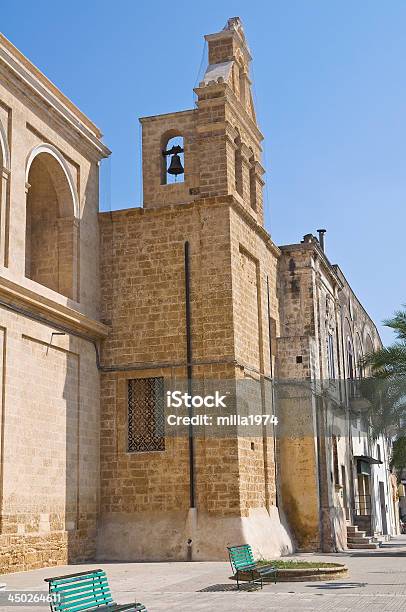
[(175, 167)]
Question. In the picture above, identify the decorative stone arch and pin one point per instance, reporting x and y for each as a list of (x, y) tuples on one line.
[(5, 163), (52, 222), (49, 149)]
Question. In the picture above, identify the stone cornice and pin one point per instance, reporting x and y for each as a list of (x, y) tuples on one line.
[(16, 295), (48, 96), (175, 115)]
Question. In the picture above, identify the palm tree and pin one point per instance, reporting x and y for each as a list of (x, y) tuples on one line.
[(385, 390), (390, 361)]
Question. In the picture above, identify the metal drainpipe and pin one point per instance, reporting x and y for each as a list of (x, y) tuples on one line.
[(272, 390), (189, 375)]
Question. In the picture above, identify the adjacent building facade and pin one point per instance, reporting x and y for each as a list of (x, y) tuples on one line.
[(101, 311), (334, 471)]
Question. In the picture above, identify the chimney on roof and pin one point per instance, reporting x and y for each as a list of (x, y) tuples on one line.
[(321, 233)]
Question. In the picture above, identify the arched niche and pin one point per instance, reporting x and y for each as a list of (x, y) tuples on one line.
[(52, 212)]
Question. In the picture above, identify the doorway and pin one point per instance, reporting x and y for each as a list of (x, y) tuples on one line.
[(345, 495), (383, 508)]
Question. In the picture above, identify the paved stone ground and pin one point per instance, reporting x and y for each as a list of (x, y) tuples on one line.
[(376, 582)]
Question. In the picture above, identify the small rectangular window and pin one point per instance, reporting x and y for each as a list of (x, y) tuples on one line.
[(146, 415)]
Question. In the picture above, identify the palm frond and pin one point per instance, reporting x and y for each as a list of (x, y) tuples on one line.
[(387, 361), (398, 324)]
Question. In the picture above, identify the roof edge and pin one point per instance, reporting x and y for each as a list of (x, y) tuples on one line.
[(21, 65)]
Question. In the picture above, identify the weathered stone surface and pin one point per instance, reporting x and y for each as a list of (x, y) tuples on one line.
[(49, 398)]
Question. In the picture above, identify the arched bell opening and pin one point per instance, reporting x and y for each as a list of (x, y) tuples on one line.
[(51, 237), (173, 159)]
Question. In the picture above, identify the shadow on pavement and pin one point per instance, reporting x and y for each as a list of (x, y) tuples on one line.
[(228, 587), (337, 585), (376, 554)]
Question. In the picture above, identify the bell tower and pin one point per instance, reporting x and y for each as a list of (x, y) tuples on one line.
[(221, 142), (190, 288)]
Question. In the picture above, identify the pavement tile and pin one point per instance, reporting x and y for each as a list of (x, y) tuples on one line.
[(376, 582)]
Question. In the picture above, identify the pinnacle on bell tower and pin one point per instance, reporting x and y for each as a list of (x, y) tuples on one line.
[(219, 140), (229, 60), (230, 141)]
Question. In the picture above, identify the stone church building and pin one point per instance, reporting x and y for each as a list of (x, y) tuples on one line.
[(99, 310)]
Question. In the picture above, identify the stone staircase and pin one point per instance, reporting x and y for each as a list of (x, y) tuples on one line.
[(358, 539)]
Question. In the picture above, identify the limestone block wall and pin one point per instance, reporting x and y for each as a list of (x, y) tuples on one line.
[(49, 446), (254, 264), (143, 283), (298, 360), (144, 301), (143, 286), (215, 156)]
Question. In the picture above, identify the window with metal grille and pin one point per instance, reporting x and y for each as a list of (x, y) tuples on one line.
[(146, 417)]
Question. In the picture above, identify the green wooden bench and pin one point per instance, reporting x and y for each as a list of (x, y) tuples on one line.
[(85, 591), (242, 561)]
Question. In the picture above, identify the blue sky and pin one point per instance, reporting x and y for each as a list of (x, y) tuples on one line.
[(330, 90)]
